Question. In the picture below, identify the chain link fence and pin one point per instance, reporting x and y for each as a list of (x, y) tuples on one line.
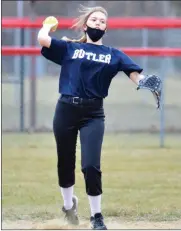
[(126, 109)]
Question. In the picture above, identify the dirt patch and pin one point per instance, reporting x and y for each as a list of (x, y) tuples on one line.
[(111, 223)]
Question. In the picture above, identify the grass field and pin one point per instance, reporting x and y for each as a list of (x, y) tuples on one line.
[(141, 182)]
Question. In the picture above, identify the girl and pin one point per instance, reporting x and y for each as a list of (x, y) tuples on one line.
[(87, 69)]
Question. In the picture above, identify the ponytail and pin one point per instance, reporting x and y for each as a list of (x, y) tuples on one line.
[(82, 39)]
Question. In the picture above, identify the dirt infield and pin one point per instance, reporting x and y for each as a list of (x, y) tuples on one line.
[(112, 223)]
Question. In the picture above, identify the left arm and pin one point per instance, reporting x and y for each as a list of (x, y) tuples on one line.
[(150, 82), (129, 67), (133, 71), (136, 77)]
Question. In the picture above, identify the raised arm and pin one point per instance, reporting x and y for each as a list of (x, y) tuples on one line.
[(52, 49), (43, 36), (49, 25)]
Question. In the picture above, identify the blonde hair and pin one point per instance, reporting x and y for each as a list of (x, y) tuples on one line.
[(82, 19)]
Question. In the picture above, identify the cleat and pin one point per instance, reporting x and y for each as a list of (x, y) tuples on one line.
[(97, 222), (71, 214)]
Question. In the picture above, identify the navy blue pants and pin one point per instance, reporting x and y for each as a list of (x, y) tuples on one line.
[(88, 119)]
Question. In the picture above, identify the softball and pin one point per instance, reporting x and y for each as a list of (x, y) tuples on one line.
[(51, 20)]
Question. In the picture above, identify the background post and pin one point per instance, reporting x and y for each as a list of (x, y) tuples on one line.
[(33, 73)]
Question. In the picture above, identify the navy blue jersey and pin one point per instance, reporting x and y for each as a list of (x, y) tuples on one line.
[(87, 69)]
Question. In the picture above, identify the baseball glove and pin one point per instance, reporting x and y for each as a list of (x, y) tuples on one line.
[(154, 84)]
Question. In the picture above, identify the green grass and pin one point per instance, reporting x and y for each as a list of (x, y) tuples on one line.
[(140, 180)]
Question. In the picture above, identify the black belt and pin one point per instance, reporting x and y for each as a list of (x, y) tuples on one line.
[(83, 101)]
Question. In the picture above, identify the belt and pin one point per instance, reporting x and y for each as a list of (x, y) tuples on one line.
[(81, 101)]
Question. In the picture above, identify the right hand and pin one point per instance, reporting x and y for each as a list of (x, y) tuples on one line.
[(51, 22)]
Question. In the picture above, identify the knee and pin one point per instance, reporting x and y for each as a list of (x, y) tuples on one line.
[(66, 175), (91, 171), (92, 176)]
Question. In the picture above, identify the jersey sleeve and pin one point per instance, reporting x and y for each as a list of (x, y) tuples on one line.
[(56, 52), (126, 64)]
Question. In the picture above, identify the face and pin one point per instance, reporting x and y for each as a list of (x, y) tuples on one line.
[(97, 20)]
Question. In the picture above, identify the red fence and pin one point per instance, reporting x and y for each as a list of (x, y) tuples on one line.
[(66, 23), (113, 23), (7, 50)]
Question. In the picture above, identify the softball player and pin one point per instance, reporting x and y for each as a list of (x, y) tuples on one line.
[(87, 69)]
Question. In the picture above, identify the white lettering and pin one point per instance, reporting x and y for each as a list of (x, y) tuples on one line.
[(108, 59), (81, 53), (91, 56), (75, 55), (94, 57), (102, 58)]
